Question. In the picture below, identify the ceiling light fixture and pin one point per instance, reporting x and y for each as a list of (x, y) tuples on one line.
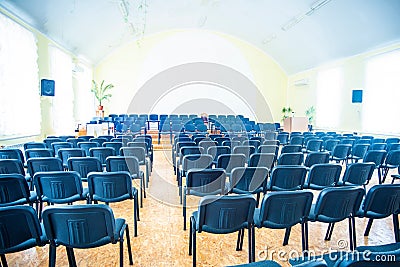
[(295, 20)]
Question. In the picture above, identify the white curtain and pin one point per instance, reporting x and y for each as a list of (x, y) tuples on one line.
[(382, 94), (19, 81), (84, 102), (329, 89), (61, 72)]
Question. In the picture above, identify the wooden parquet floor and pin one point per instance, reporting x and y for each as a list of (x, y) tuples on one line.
[(161, 240)]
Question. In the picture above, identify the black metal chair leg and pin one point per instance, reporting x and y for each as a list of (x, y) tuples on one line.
[(249, 236), (194, 248), (71, 257), (128, 243), (396, 227), (287, 235), (3, 260), (121, 252), (52, 255), (329, 231), (351, 234), (368, 228)]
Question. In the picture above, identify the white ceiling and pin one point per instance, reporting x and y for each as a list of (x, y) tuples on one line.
[(340, 28)]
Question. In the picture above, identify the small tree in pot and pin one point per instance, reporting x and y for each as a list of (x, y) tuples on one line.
[(101, 92)]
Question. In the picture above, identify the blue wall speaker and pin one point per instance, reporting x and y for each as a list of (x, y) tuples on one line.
[(47, 87), (357, 96)]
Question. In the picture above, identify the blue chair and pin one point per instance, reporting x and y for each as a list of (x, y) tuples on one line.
[(313, 145), (83, 226), (249, 180), (283, 210), (98, 140), (84, 165), (335, 204), (201, 183), (128, 164), (59, 187), (86, 146), (357, 174), (293, 158), (224, 215), (316, 158), (377, 157), (230, 161), (266, 160), (102, 153), (49, 140), (15, 191), (20, 230), (116, 145), (282, 138), (176, 148), (290, 149), (216, 151), (34, 145), (38, 153), (323, 175), (55, 146), (378, 146), (392, 161), (110, 187), (358, 152), (341, 153), (296, 140), (380, 202), (140, 154), (44, 164), (192, 161), (10, 166), (12, 153), (65, 153), (284, 178)]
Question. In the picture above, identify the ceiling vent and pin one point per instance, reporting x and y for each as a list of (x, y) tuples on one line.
[(301, 82)]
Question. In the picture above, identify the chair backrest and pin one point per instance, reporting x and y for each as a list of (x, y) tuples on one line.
[(45, 164), (86, 146), (197, 161), (282, 138), (206, 181), (393, 158), (48, 141), (287, 178), (269, 135), (358, 173), (110, 186), (284, 209), (359, 150), (58, 186), (207, 144), (9, 166), (393, 146), (138, 152), (335, 204), (14, 190), (19, 225), (84, 165), (245, 150), (316, 158), (65, 153), (190, 150), (34, 145), (248, 178), (255, 143), (102, 153), (378, 146), (58, 145), (268, 149), (314, 145), (38, 153), (215, 151), (341, 151), (225, 214), (231, 143), (230, 161), (98, 140), (375, 156), (181, 144), (330, 144), (12, 153), (323, 175), (80, 226), (271, 142), (115, 145), (382, 200), (295, 158), (123, 163), (262, 160), (392, 140), (296, 140), (290, 149), (219, 140)]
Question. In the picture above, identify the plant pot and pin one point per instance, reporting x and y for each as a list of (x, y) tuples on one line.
[(100, 107)]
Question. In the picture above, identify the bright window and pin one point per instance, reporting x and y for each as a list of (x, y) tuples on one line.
[(61, 72), (382, 94), (329, 88), (19, 82), (84, 103)]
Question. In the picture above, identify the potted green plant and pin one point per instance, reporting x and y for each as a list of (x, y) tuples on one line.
[(310, 114), (101, 92), (286, 112)]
